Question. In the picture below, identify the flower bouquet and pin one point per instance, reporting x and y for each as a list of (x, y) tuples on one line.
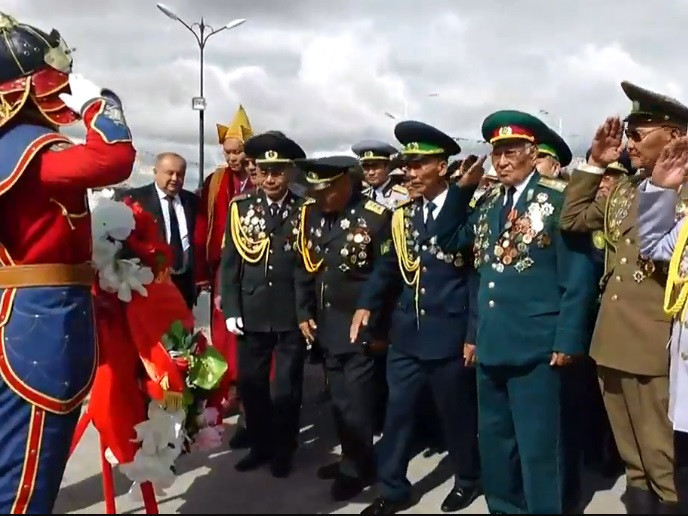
[(149, 397)]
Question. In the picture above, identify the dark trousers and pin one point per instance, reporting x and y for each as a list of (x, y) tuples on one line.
[(351, 378), (576, 418), (272, 421), (681, 469), (380, 392), (185, 284), (520, 438), (453, 391)]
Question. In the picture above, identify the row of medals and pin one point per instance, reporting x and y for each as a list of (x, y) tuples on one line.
[(414, 247)]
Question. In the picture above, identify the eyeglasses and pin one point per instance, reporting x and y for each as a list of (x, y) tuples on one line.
[(509, 153), (637, 136)]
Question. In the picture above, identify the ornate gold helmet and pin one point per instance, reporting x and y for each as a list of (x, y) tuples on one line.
[(35, 67)]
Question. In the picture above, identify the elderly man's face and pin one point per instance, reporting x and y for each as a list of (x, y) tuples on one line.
[(169, 173), (646, 141), (233, 150), (547, 165), (513, 160)]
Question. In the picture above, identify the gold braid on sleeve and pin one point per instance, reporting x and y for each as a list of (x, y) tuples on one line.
[(410, 268)]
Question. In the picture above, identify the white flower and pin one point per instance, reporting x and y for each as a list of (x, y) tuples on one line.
[(112, 219), (208, 438)]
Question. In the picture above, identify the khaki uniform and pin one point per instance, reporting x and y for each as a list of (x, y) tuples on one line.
[(631, 335)]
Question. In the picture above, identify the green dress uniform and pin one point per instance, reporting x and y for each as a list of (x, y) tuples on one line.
[(630, 339), (535, 294)]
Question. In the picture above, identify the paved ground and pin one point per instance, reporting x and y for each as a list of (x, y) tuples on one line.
[(209, 484)]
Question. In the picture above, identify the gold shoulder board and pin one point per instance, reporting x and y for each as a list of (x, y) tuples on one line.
[(403, 203), (400, 189), (374, 207), (308, 200), (241, 197), (553, 184)]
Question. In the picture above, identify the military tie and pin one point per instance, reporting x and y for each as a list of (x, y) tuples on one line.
[(274, 210), (430, 219), (175, 236), (508, 206)]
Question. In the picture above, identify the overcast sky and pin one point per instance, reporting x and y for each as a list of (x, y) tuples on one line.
[(326, 71)]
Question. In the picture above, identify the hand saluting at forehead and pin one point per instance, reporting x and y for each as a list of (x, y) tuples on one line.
[(607, 143), (671, 168)]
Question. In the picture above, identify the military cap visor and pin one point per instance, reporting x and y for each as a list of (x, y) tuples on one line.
[(510, 125), (273, 149), (373, 150), (323, 172), (651, 107), (420, 139)]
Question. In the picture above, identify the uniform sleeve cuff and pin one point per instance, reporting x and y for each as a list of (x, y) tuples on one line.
[(591, 169)]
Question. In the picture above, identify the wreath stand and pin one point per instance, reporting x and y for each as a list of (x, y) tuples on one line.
[(149, 501)]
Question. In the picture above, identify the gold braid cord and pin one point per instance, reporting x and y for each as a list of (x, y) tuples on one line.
[(676, 292), (410, 269), (308, 262), (250, 250)]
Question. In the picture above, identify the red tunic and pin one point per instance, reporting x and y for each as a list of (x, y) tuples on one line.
[(46, 212)]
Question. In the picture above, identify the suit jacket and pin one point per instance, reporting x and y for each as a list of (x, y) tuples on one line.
[(632, 329), (658, 232), (264, 294), (344, 255), (431, 319), (537, 288)]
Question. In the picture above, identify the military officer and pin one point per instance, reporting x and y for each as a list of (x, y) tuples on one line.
[(535, 294), (262, 284), (376, 160), (340, 240), (430, 324), (629, 343), (663, 238), (551, 159)]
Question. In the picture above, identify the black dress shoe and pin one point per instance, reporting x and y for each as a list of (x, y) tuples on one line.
[(639, 501), (382, 506), (328, 472), (345, 488), (460, 497), (281, 467), (240, 440), (252, 461)]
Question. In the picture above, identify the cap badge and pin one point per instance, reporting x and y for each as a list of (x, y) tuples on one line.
[(505, 131), (635, 106), (312, 175), (368, 154), (413, 146), (271, 154)]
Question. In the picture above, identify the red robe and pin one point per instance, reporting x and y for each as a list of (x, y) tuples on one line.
[(218, 190)]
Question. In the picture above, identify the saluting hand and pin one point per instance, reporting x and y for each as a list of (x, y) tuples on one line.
[(473, 173), (671, 168), (607, 143), (560, 359), (469, 358), (361, 318)]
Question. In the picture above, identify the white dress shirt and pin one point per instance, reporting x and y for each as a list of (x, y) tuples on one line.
[(379, 192), (181, 217), (279, 202), (438, 202), (520, 188)]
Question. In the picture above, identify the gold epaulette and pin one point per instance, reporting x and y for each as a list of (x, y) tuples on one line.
[(403, 203), (240, 197), (308, 200), (374, 207), (553, 184), (400, 189)]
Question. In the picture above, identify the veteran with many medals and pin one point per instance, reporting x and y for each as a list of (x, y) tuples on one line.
[(263, 284), (340, 240), (430, 324), (48, 354), (629, 343), (535, 292)]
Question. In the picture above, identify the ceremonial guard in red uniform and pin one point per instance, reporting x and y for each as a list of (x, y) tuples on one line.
[(48, 348)]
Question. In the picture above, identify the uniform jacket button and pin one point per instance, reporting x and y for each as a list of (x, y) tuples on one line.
[(490, 303)]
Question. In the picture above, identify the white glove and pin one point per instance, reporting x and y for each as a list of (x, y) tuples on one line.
[(235, 325), (83, 92)]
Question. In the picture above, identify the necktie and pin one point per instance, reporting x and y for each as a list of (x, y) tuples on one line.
[(508, 206), (431, 214), (175, 236), (274, 210)]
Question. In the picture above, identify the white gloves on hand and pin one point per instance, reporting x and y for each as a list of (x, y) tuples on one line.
[(235, 325), (83, 92)]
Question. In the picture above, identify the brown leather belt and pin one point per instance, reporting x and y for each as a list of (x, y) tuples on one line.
[(47, 275)]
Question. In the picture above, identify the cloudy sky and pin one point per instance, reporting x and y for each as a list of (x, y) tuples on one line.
[(326, 71)]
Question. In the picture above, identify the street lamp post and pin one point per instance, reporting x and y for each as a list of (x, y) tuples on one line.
[(199, 103)]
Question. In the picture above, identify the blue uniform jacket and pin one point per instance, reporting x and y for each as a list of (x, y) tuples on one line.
[(431, 318), (537, 289)]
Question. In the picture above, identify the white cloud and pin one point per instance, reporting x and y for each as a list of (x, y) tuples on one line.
[(326, 72)]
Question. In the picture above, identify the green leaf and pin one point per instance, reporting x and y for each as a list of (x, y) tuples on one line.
[(207, 369), (167, 342), (187, 398), (177, 332)]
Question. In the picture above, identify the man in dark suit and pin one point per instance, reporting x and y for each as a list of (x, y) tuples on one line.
[(175, 211), (263, 282), (431, 325)]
